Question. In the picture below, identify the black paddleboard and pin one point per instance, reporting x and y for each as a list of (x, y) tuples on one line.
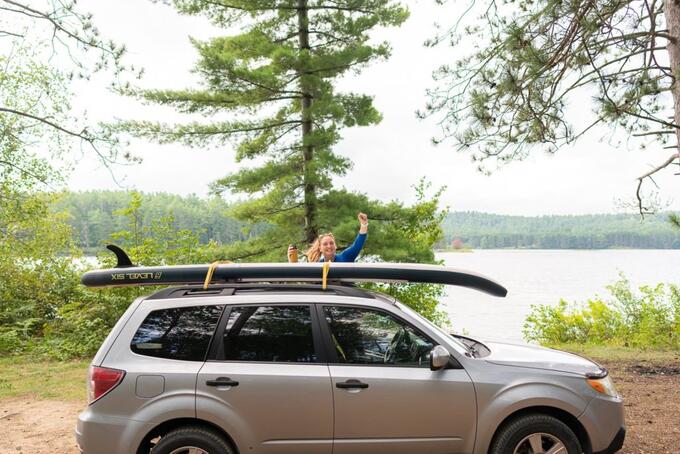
[(293, 272)]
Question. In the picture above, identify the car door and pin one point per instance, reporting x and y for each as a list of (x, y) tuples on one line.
[(386, 398), (267, 386)]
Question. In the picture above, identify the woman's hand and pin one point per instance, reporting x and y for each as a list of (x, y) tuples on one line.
[(363, 221), (292, 253)]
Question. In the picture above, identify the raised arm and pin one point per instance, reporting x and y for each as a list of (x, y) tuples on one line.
[(351, 253), (363, 223)]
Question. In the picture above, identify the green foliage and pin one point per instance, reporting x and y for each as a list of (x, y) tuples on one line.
[(82, 322), (32, 237), (157, 241), (649, 319), (39, 91), (37, 278), (81, 325), (41, 287), (36, 248), (43, 307), (10, 341)]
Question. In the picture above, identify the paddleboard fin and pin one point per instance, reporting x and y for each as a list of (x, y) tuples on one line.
[(123, 259)]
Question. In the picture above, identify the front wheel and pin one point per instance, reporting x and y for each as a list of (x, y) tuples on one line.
[(192, 440), (535, 434)]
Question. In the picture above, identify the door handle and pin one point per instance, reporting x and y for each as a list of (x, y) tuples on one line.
[(351, 384), (222, 381)]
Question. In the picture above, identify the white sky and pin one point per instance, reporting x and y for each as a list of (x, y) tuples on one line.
[(388, 158)]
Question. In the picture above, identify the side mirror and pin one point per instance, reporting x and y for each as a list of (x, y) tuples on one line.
[(439, 358)]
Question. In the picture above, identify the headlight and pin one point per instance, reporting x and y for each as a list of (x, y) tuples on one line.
[(603, 386)]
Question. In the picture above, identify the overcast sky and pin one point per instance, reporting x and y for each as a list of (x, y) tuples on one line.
[(388, 158)]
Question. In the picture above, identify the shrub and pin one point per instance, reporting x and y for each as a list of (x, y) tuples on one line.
[(10, 341), (647, 319)]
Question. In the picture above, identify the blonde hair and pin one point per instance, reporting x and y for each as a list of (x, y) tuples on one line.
[(314, 252)]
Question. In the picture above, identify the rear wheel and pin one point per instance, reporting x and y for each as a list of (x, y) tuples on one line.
[(536, 434), (192, 440)]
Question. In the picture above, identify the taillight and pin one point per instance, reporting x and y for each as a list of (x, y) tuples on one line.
[(102, 380)]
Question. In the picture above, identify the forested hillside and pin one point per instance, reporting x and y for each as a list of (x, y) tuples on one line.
[(93, 217), (488, 231)]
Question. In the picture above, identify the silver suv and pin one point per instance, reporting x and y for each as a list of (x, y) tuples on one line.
[(301, 368)]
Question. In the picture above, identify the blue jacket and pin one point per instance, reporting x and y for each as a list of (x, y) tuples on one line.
[(351, 253)]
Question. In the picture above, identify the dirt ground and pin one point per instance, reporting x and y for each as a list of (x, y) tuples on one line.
[(651, 393)]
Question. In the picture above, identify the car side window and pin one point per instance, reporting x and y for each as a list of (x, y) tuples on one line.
[(269, 333), (367, 336), (179, 333)]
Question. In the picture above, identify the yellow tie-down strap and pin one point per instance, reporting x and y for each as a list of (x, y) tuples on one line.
[(211, 271), (324, 275)]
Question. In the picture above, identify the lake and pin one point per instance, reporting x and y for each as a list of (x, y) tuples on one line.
[(545, 277)]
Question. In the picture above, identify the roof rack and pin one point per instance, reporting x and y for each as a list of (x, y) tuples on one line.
[(231, 289), (127, 274)]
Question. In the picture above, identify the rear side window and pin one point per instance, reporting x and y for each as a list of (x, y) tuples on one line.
[(180, 333), (269, 333)]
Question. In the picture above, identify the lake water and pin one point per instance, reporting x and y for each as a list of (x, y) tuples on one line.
[(544, 277)]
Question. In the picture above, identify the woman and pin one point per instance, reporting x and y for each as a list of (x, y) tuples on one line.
[(323, 249)]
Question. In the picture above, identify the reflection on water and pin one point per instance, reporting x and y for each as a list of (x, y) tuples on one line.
[(543, 277)]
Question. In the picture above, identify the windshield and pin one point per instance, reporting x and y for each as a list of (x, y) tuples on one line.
[(462, 348)]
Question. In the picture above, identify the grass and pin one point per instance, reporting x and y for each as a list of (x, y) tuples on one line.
[(41, 379)]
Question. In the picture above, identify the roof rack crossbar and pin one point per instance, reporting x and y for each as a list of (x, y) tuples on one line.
[(231, 289)]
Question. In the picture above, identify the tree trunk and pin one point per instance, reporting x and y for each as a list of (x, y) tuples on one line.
[(672, 13), (310, 201)]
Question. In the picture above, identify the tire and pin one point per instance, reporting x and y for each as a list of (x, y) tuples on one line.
[(535, 434), (192, 440)]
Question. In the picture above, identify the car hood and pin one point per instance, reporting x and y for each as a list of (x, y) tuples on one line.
[(534, 357)]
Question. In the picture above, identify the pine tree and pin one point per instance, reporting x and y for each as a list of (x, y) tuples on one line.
[(510, 95), (277, 79)]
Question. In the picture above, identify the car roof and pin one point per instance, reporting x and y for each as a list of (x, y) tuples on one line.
[(166, 299)]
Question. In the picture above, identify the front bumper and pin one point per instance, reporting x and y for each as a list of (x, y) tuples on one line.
[(616, 444), (604, 422)]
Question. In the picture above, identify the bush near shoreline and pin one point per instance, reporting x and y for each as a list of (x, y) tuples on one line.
[(646, 319)]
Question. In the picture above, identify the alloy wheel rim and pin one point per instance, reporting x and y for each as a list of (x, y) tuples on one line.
[(189, 450), (540, 443)]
